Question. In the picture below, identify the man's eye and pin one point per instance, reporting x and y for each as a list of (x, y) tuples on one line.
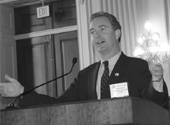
[(92, 32), (103, 29)]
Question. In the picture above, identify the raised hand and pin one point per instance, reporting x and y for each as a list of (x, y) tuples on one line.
[(11, 88), (157, 75)]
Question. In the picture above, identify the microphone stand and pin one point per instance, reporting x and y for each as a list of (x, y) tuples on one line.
[(12, 104)]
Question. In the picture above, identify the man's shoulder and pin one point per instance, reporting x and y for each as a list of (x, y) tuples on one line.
[(133, 60), (137, 62), (91, 67)]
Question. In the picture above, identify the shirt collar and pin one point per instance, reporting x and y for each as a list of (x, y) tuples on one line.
[(112, 61)]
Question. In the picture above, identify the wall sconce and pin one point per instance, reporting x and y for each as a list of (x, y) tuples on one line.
[(149, 46)]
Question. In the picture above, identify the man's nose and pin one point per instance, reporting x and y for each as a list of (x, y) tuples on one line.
[(97, 34)]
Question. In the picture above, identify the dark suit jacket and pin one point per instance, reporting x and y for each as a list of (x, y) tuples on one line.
[(132, 70)]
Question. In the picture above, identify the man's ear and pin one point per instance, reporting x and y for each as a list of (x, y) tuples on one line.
[(117, 33)]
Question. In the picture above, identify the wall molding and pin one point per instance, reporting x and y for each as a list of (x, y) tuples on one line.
[(46, 32)]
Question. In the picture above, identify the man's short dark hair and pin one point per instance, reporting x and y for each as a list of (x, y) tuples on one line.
[(115, 24)]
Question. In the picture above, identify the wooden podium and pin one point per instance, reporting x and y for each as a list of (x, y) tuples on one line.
[(122, 111)]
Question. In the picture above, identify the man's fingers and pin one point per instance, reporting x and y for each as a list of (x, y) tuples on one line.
[(12, 88), (157, 72), (5, 94), (157, 68), (1, 85), (2, 91), (9, 79)]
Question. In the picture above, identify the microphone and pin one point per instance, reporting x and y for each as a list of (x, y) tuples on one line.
[(12, 104)]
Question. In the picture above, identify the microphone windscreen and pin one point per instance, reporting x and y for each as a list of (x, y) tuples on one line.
[(74, 60)]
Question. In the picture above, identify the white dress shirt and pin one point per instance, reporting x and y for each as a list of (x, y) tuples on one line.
[(112, 61)]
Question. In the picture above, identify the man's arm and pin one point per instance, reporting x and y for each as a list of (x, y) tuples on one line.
[(158, 91), (35, 99), (160, 98), (12, 88)]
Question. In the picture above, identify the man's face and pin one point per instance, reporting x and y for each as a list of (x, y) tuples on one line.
[(103, 36)]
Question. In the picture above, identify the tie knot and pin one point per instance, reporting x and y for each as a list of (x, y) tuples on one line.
[(106, 63)]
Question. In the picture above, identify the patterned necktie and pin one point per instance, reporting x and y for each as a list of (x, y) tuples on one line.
[(105, 92)]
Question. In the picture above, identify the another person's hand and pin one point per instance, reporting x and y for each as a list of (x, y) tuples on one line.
[(11, 88), (157, 75)]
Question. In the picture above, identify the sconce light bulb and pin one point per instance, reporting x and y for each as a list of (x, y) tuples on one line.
[(148, 25), (138, 51), (155, 36)]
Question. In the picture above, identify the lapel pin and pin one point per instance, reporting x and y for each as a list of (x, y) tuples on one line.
[(116, 74)]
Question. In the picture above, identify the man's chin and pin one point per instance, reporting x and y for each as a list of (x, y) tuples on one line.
[(102, 52), (101, 49)]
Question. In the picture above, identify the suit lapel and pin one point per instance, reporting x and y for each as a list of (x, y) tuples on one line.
[(119, 69), (92, 79)]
